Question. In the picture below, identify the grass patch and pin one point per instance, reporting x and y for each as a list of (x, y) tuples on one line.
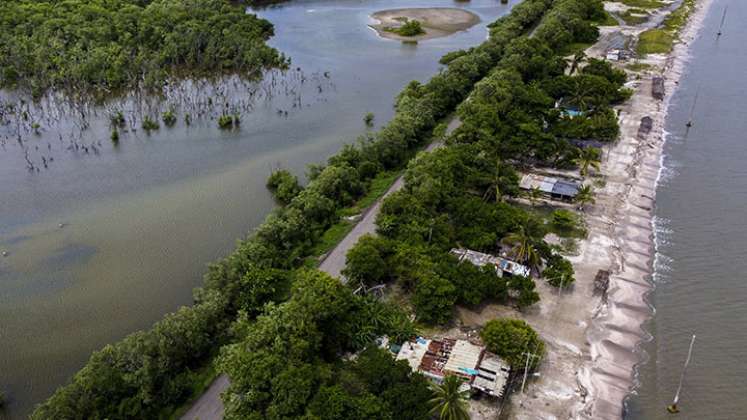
[(379, 186), (200, 381), (634, 16), (332, 236), (638, 66), (661, 40), (608, 20), (655, 41), (645, 4)]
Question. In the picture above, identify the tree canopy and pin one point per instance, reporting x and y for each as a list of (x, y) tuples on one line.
[(107, 45), (511, 339)]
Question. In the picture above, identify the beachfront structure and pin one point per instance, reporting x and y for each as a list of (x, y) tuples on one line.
[(553, 187), (481, 370), (503, 266), (657, 87)]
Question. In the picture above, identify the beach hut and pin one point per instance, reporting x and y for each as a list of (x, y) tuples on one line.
[(657, 88), (647, 123)]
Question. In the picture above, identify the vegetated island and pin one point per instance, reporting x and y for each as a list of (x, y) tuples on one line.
[(432, 22)]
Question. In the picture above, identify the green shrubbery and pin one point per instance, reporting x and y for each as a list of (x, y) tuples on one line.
[(284, 186), (410, 27), (47, 44), (511, 339)]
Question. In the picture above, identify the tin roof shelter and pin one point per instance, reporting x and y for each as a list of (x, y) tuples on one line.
[(481, 370), (492, 375), (554, 187)]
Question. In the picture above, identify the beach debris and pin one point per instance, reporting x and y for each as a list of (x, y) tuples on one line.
[(672, 408), (601, 283), (5, 253)]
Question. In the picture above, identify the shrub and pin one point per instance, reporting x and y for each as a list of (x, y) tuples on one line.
[(225, 122), (368, 119), (150, 124), (283, 185), (169, 118), (559, 271), (564, 221), (410, 27), (511, 339)]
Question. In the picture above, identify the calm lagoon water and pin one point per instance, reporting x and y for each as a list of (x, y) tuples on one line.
[(701, 210), (102, 244)]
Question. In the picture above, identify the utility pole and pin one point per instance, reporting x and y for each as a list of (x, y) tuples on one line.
[(526, 369)]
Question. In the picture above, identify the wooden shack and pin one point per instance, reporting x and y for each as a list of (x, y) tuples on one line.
[(657, 88), (647, 123)]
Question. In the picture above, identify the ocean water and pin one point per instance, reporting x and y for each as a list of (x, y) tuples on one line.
[(141, 221), (701, 231)]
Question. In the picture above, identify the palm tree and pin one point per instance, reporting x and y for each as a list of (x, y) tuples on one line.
[(588, 158), (534, 195), (495, 179), (448, 401), (523, 249), (577, 59), (584, 196)]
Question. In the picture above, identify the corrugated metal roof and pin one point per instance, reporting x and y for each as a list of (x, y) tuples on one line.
[(567, 189), (464, 355), (492, 375)]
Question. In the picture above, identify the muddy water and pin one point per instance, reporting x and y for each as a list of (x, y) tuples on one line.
[(701, 236), (104, 242)]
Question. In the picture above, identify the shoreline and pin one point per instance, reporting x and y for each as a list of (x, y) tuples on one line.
[(437, 22), (617, 328), (593, 345)]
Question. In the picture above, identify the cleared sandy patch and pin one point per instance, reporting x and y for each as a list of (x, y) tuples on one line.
[(436, 21)]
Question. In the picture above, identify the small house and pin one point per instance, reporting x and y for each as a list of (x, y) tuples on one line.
[(553, 187)]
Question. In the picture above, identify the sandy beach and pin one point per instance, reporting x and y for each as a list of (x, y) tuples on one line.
[(436, 22), (592, 337)]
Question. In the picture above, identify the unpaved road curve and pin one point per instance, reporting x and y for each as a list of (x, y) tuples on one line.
[(210, 405)]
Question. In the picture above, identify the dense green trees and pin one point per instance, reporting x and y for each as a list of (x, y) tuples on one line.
[(285, 360), (285, 363), (434, 300), (511, 339), (284, 185), (104, 45), (366, 262)]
